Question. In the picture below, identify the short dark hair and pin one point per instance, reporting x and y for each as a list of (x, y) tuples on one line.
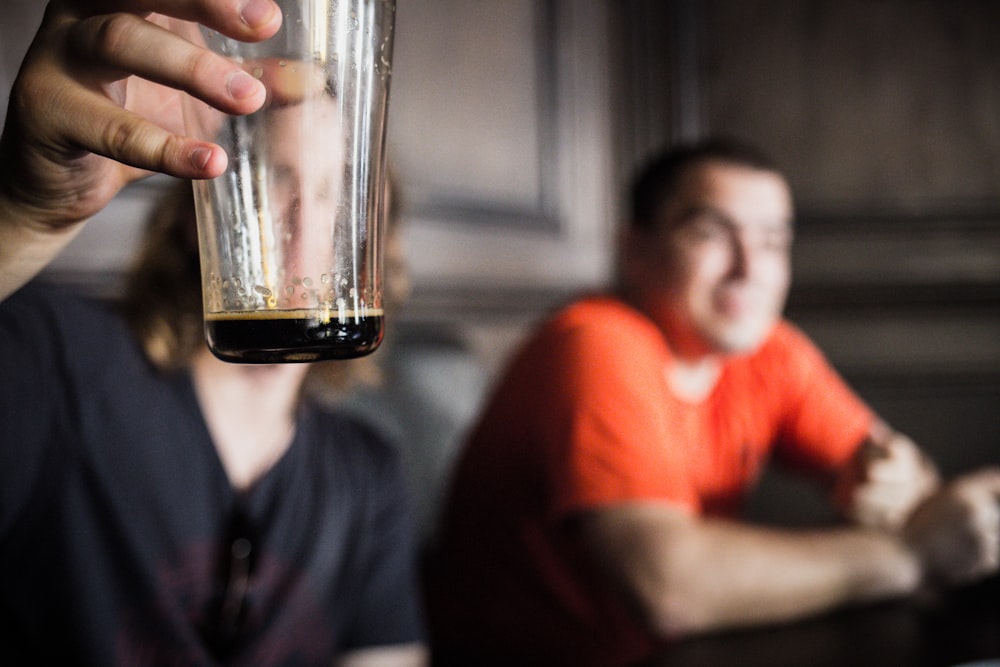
[(657, 180)]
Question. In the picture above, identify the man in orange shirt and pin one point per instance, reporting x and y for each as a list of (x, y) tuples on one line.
[(594, 512)]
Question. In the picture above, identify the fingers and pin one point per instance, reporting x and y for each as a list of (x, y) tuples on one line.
[(147, 133), (896, 458), (247, 20), (119, 44), (289, 81), (960, 528), (986, 522), (881, 506), (982, 490), (981, 544), (102, 77), (890, 477), (131, 140), (117, 55), (987, 478)]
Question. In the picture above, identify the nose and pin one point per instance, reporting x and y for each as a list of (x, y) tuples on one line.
[(740, 257)]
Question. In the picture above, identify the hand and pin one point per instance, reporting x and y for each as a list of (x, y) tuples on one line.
[(956, 531), (96, 103), (887, 478)]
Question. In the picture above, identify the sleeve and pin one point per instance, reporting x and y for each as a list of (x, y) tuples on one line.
[(388, 603), (612, 435), (824, 421)]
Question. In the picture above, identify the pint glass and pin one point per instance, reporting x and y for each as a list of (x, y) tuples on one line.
[(290, 235)]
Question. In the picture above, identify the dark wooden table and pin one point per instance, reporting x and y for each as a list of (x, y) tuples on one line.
[(942, 630)]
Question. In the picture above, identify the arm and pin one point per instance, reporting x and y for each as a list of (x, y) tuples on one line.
[(406, 655), (687, 574), (95, 106), (25, 247)]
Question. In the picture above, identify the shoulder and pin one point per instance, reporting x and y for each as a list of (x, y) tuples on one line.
[(49, 331), (600, 311), (595, 355), (39, 309), (794, 365), (787, 344), (599, 324), (56, 350), (43, 299), (596, 341)]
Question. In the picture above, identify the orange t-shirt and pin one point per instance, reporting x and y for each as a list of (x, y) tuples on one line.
[(584, 418)]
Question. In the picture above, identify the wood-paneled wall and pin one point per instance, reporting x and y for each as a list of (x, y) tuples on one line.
[(886, 116), (514, 127)]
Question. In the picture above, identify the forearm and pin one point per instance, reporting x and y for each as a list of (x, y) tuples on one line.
[(726, 574), (687, 575), (26, 247), (37, 218), (406, 655)]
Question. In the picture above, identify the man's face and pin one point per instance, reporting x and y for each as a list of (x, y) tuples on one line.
[(715, 273)]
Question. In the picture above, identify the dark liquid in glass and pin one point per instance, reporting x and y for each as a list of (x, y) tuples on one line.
[(279, 336)]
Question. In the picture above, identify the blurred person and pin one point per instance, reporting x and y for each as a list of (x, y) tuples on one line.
[(156, 504), (594, 513)]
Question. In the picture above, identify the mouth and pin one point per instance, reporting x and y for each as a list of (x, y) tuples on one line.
[(737, 304)]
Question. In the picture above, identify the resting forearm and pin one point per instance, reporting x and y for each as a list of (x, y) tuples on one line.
[(686, 574), (732, 575), (406, 655)]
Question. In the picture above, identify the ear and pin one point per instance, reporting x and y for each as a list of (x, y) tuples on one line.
[(632, 255)]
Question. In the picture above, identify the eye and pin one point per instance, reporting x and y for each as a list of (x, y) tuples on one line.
[(778, 239), (324, 190), (283, 180), (708, 227)]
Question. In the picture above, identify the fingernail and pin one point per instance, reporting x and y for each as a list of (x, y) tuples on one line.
[(241, 85), (200, 156), (257, 13)]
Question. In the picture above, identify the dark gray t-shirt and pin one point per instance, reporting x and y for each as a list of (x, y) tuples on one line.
[(123, 542)]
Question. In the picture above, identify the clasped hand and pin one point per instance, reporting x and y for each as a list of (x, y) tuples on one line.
[(956, 531), (886, 479), (952, 529)]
